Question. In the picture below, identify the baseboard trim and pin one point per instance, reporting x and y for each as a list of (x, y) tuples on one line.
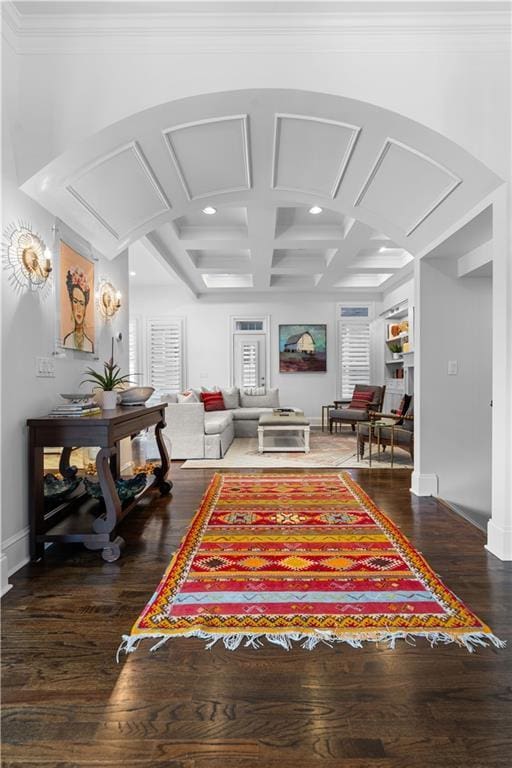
[(5, 586), (457, 511), (499, 541), (15, 554), (424, 485)]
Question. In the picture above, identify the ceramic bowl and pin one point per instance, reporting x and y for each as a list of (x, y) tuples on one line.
[(135, 395), (78, 397)]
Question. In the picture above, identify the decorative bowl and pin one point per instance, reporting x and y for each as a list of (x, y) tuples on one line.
[(126, 488), (135, 395), (56, 489), (78, 397)]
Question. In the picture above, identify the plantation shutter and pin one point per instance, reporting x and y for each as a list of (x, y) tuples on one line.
[(165, 354), (133, 366), (249, 364), (354, 356)]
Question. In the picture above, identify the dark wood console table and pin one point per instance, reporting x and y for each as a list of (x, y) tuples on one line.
[(81, 518)]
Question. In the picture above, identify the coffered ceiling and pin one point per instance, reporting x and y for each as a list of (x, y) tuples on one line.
[(311, 193)]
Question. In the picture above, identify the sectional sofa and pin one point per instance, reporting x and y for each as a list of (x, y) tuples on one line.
[(198, 434)]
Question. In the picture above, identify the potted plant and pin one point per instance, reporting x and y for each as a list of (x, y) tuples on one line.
[(395, 348), (109, 381)]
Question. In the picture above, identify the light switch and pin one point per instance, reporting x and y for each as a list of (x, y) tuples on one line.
[(45, 367), (453, 368)]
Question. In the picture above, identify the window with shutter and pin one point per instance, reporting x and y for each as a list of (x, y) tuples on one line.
[(249, 325), (133, 351), (164, 354), (249, 365), (354, 356)]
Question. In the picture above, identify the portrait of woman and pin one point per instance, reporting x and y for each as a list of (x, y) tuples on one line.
[(77, 311)]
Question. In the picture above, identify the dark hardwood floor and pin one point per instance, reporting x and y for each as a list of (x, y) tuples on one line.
[(67, 703)]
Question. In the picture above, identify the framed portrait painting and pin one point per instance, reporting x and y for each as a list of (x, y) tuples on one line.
[(76, 297), (302, 348)]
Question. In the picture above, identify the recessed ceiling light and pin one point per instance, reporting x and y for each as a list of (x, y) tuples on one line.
[(209, 210), (315, 210), (385, 248), (132, 274)]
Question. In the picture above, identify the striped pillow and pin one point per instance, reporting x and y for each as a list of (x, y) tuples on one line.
[(213, 401), (361, 400)]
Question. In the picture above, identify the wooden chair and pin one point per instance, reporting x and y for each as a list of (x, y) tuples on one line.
[(348, 415)]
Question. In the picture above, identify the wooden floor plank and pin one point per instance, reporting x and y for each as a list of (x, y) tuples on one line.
[(66, 703)]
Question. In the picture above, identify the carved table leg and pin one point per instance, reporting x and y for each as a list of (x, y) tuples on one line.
[(115, 463), (161, 472), (107, 522), (111, 550), (65, 469)]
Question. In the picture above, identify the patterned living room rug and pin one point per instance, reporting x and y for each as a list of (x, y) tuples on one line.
[(300, 558), (329, 451)]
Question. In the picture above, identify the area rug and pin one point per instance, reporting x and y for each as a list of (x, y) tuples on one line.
[(300, 559), (329, 451)]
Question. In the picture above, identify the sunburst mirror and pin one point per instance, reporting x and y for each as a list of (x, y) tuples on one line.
[(26, 257)]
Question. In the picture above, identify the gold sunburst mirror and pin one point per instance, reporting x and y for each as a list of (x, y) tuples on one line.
[(26, 257)]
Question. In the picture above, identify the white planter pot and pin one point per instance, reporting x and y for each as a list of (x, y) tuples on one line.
[(109, 400)]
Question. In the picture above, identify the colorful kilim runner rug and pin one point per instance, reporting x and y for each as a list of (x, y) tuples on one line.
[(300, 558)]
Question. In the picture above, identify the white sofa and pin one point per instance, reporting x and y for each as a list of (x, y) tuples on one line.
[(198, 434)]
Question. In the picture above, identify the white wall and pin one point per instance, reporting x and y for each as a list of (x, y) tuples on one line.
[(29, 331), (207, 329), (453, 413)]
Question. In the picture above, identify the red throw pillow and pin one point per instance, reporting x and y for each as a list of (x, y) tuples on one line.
[(361, 400), (213, 401)]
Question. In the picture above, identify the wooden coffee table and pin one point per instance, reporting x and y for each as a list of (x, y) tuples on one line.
[(283, 432)]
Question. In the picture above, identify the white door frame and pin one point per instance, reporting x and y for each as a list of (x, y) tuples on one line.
[(265, 320)]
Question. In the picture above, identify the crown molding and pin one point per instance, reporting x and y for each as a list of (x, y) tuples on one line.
[(242, 27)]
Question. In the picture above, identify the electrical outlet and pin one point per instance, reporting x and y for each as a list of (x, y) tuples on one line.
[(45, 368), (453, 368)]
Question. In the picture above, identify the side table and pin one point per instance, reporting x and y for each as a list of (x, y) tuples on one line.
[(374, 428), (325, 415)]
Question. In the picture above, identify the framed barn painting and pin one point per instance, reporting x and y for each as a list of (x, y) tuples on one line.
[(302, 348), (76, 280)]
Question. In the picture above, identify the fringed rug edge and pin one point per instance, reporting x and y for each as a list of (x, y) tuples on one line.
[(309, 641)]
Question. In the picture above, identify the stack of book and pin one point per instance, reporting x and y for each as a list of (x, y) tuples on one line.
[(73, 410)]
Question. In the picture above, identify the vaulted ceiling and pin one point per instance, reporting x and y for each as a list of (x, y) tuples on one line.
[(265, 161)]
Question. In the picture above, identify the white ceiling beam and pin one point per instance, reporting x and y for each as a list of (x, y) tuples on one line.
[(474, 259), (356, 239), (371, 270), (160, 250), (261, 224)]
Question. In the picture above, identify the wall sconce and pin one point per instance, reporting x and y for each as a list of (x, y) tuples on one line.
[(26, 256), (109, 300)]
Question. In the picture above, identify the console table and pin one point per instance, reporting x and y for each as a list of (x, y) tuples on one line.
[(80, 518)]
